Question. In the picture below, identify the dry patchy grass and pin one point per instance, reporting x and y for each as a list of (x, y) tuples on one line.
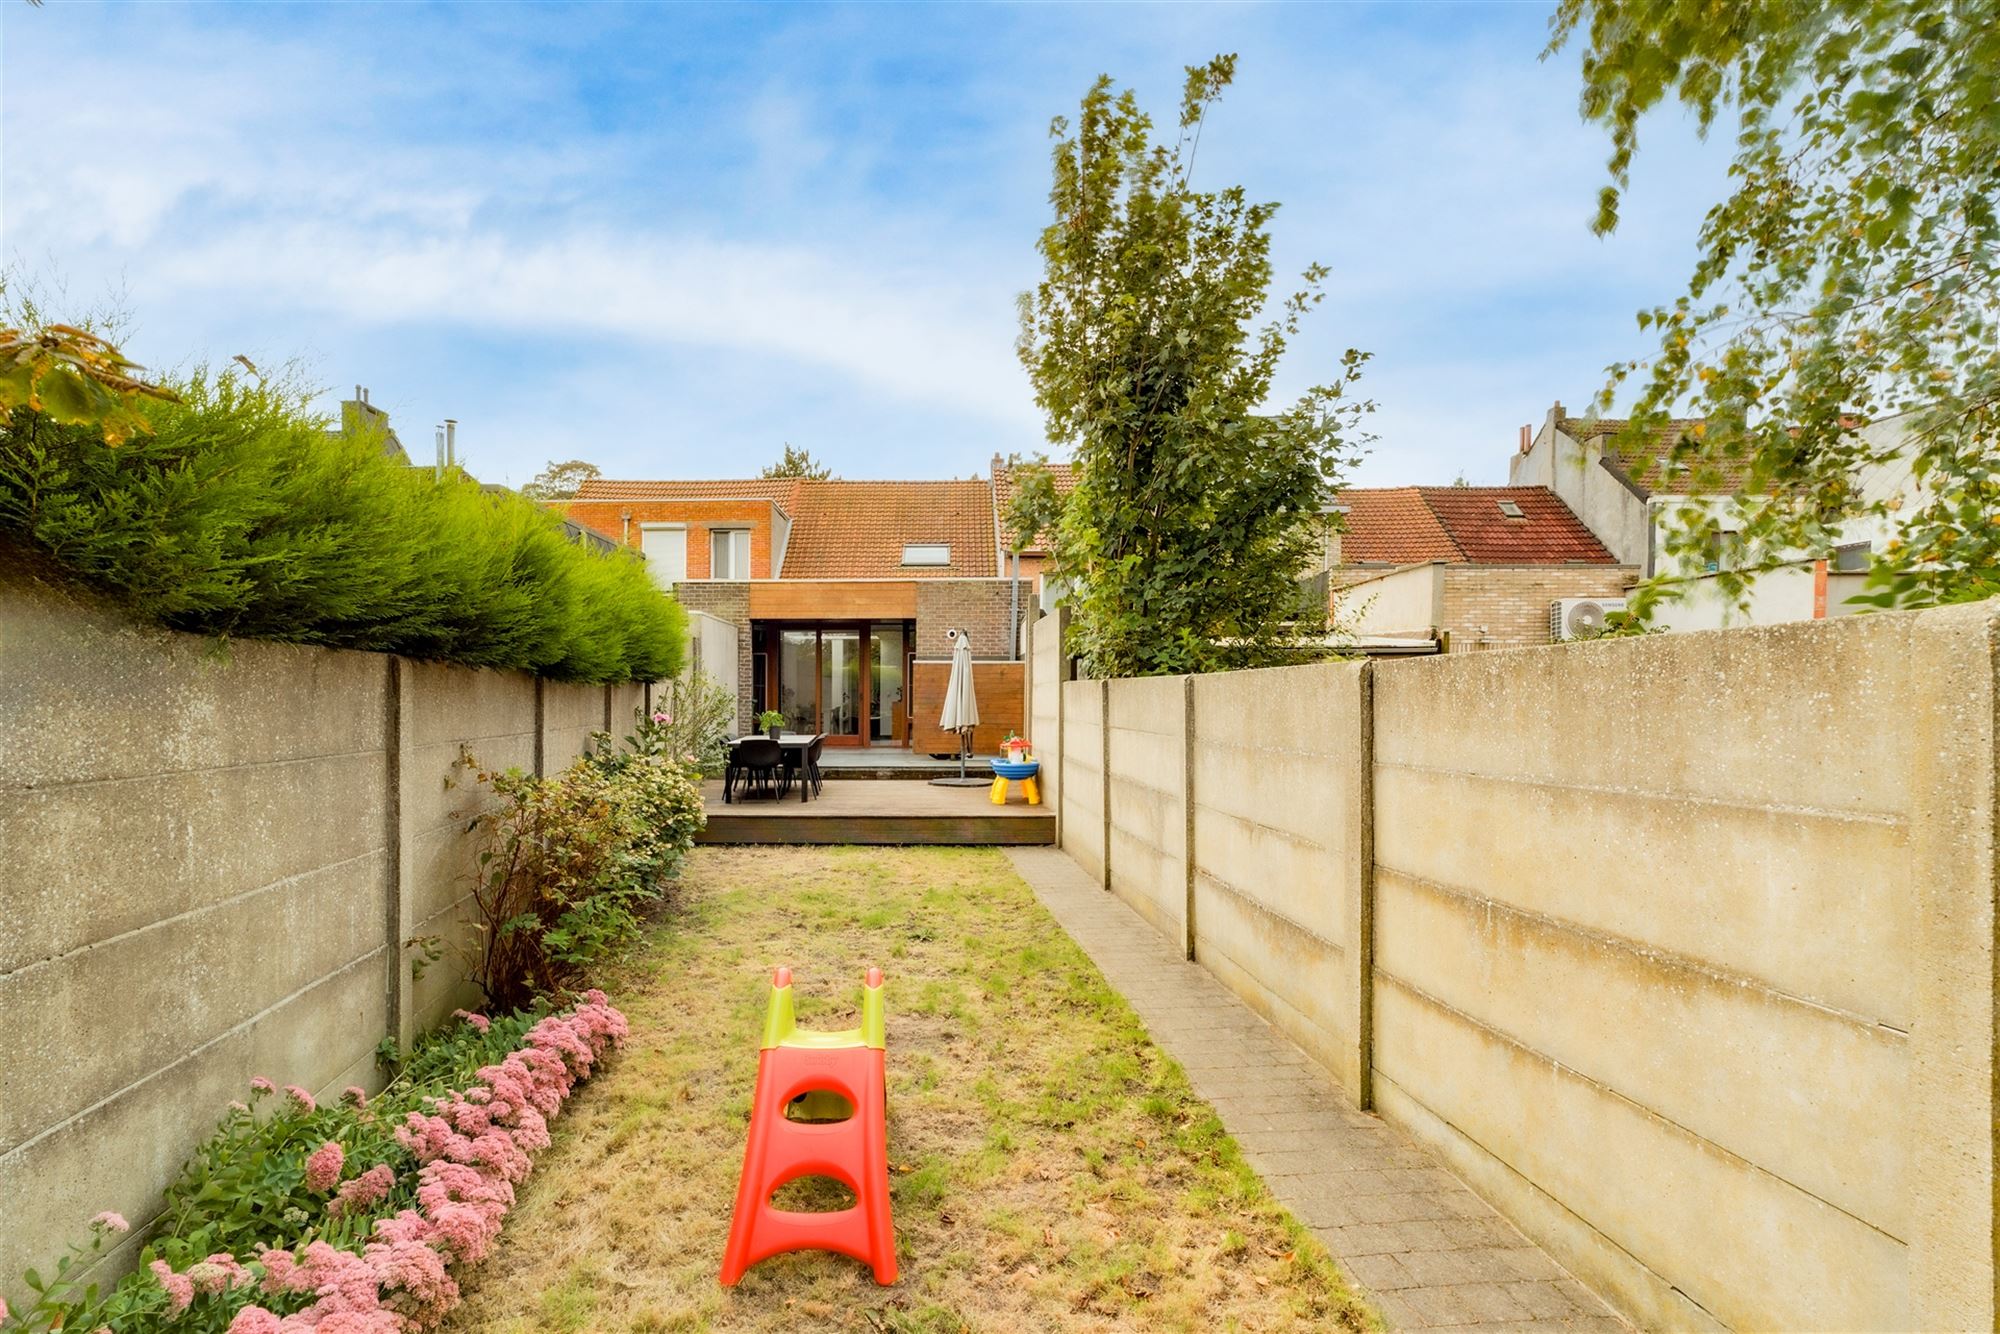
[(1052, 1169)]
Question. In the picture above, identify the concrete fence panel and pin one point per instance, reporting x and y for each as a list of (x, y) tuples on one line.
[(462, 722), (1280, 851), (1646, 956), (1082, 782), (1147, 790), (1680, 950), (198, 872), (219, 864)]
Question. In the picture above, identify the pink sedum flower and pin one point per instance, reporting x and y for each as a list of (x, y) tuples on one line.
[(254, 1320), (478, 1021), (3, 1308), (363, 1192), (355, 1094), (301, 1097), (178, 1287), (323, 1167), (263, 1084), (472, 1147), (111, 1221)]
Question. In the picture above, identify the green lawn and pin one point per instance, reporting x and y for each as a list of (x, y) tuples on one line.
[(1052, 1170)]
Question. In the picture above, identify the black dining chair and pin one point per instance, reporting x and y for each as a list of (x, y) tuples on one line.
[(759, 762), (806, 767)]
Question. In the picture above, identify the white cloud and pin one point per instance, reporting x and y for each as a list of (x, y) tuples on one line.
[(455, 201)]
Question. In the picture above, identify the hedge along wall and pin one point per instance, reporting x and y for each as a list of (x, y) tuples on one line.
[(208, 868), (1679, 950)]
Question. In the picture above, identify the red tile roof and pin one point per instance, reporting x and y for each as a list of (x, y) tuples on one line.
[(1004, 491), (1406, 525), (780, 489), (857, 530), (1651, 466)]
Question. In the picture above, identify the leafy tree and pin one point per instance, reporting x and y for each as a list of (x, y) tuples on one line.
[(1850, 275), (1194, 513), (561, 481), (74, 378), (798, 462)]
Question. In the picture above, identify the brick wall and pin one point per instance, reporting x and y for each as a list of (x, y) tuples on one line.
[(1494, 606), (981, 607), (728, 601), (609, 518)]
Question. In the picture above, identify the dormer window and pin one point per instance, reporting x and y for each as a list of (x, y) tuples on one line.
[(927, 553), (1510, 510)]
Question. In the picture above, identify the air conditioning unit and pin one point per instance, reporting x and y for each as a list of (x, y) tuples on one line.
[(1580, 618)]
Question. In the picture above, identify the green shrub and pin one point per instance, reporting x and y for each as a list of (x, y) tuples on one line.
[(239, 515), (690, 718), (576, 859)]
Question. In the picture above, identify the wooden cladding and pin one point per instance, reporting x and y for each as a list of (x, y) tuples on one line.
[(998, 688), (834, 599)]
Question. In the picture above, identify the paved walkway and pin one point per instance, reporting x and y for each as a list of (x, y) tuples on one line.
[(1431, 1254)]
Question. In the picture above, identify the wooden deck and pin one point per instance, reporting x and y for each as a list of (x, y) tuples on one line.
[(854, 810)]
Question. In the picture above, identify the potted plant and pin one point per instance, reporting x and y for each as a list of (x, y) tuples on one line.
[(771, 723)]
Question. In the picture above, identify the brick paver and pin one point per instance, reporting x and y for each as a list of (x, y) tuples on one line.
[(1430, 1254)]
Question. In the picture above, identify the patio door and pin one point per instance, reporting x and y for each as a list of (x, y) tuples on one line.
[(888, 684), (843, 686), (820, 683)]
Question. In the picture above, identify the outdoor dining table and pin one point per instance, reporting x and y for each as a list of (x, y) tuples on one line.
[(793, 744)]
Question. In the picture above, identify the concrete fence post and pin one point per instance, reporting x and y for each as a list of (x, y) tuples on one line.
[(541, 727), (1361, 978), (1104, 773), (1062, 742), (1954, 816), (1187, 816), (399, 728)]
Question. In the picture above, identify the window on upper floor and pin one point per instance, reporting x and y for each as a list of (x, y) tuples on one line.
[(927, 553), (729, 553)]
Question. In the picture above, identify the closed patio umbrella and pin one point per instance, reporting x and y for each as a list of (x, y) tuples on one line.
[(961, 708)]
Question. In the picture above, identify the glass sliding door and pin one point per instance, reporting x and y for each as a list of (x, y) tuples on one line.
[(849, 680), (841, 697), (798, 679), (887, 711)]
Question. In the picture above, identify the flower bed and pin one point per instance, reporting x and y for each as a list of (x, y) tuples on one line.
[(347, 1218)]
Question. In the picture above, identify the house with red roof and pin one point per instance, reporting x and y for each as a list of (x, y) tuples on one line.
[(1471, 566), (835, 600)]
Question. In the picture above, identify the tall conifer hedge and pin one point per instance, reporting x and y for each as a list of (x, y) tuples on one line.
[(240, 516)]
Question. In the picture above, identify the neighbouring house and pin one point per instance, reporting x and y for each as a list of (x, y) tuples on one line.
[(1475, 567), (838, 596), (1031, 558), (1630, 496)]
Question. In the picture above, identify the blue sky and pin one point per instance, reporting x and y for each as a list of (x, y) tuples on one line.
[(670, 238)]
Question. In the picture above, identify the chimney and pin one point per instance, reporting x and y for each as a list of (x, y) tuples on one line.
[(451, 442), (1527, 438), (440, 451)]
